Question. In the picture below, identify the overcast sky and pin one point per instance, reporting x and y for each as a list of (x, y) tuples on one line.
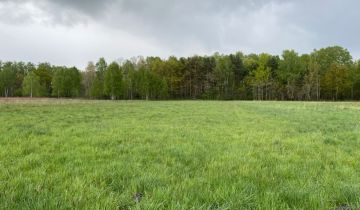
[(73, 32)]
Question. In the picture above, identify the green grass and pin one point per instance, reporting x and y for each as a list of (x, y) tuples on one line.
[(58, 154)]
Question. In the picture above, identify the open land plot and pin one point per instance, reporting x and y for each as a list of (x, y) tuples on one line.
[(79, 154)]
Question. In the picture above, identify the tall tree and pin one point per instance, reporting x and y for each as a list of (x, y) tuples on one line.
[(336, 82), (44, 71), (129, 79), (32, 86), (97, 89), (326, 57), (290, 73), (174, 76), (113, 81), (89, 78), (8, 79), (261, 78), (224, 76), (143, 81), (312, 79), (354, 76), (66, 82), (240, 73)]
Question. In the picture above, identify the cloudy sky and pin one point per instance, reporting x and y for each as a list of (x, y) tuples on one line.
[(73, 32)]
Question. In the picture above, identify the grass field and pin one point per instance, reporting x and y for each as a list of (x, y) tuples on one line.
[(74, 154)]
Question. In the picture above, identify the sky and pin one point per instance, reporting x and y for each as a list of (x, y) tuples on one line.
[(74, 32)]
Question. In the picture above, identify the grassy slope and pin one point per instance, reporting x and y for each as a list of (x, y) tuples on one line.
[(180, 155)]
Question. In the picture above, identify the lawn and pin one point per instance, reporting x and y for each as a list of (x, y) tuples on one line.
[(78, 154)]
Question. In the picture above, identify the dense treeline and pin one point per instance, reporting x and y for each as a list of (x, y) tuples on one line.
[(325, 74)]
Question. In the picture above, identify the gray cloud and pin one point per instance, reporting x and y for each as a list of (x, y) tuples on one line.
[(186, 27)]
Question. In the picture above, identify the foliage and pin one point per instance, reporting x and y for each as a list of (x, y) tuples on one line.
[(89, 77), (7, 79), (325, 74), (66, 82), (45, 73), (113, 81), (32, 86)]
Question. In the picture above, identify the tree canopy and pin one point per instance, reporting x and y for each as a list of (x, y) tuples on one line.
[(325, 74)]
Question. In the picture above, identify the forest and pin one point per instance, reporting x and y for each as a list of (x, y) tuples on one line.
[(326, 74)]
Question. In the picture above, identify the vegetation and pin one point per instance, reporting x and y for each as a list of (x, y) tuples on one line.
[(326, 74), (73, 154)]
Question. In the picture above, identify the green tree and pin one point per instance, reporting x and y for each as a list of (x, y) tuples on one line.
[(20, 71), (97, 89), (354, 77), (224, 76), (8, 79), (66, 82), (290, 74), (174, 76), (143, 82), (326, 57), (58, 82), (312, 80), (113, 81), (129, 79), (240, 73), (73, 82), (44, 71), (260, 78), (32, 86), (336, 82), (89, 77)]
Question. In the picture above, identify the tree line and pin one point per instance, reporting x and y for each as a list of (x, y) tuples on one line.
[(326, 74)]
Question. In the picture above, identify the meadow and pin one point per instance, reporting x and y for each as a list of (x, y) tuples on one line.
[(82, 154)]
